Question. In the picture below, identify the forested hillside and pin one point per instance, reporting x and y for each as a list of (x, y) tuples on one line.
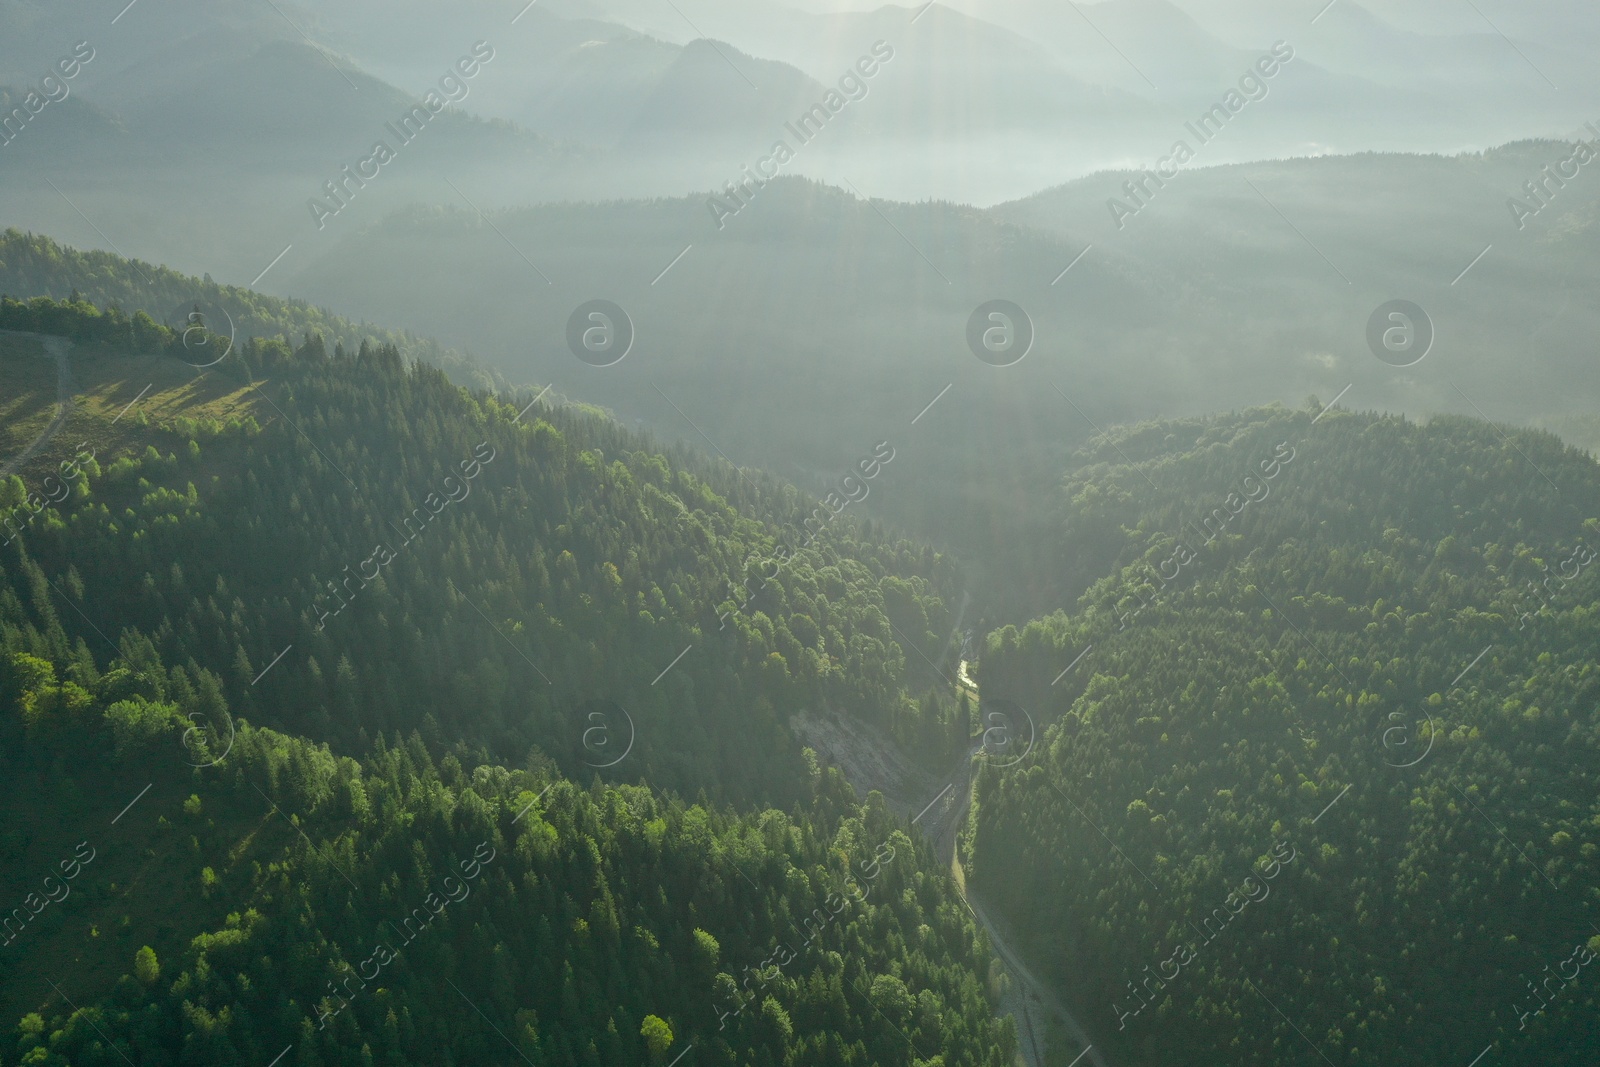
[(522, 581), (808, 321), (32, 266), (200, 896), (1322, 787), (1312, 768), (799, 533), (468, 610)]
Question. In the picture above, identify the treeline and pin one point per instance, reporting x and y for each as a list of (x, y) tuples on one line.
[(83, 323), (1379, 662), (32, 265)]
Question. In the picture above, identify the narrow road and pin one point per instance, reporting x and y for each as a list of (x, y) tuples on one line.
[(941, 822), (1036, 994), (57, 348), (964, 678)]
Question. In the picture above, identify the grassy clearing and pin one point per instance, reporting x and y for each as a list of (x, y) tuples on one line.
[(120, 399), (27, 393)]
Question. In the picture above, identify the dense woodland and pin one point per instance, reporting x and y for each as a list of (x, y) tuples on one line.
[(439, 562), (539, 562), (405, 911), (1321, 787), (1403, 611)]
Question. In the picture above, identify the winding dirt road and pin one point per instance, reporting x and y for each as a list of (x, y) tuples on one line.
[(1034, 1001), (56, 348)]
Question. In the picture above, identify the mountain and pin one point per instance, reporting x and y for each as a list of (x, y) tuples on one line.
[(799, 333), (592, 91), (259, 897), (33, 266), (770, 533), (1150, 322), (584, 79), (38, 34), (1210, 742), (1319, 243), (1504, 88), (211, 106), (1230, 286), (1362, 83), (74, 125), (580, 557), (958, 95), (192, 117), (546, 555), (1319, 784), (711, 93)]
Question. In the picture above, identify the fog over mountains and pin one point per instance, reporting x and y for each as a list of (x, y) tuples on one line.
[(635, 98), (880, 528), (963, 151)]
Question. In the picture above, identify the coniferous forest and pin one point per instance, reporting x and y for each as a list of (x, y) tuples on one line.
[(1348, 650), (458, 724), (799, 533), (480, 607)]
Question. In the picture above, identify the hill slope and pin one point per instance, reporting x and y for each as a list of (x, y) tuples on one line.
[(488, 574), (256, 898), (1336, 681)]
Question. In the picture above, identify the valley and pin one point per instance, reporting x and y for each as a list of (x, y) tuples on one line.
[(799, 533)]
